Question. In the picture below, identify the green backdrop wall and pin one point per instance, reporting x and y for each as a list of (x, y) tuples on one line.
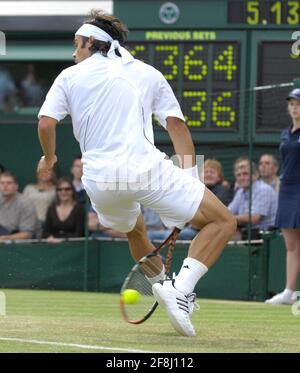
[(242, 272)]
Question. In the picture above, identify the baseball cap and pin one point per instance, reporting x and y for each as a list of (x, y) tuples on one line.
[(295, 93)]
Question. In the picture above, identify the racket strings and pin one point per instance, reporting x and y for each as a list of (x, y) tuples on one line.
[(140, 280), (140, 308)]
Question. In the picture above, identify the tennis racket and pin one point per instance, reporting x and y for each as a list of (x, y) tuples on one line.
[(141, 304)]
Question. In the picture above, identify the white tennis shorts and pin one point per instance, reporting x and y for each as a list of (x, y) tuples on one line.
[(167, 189)]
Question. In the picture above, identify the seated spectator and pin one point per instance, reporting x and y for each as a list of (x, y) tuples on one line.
[(214, 179), (76, 171), (65, 218), (155, 227), (240, 163), (8, 91), (98, 230), (157, 231), (18, 220), (32, 91), (268, 168), (42, 193), (264, 200), (188, 233)]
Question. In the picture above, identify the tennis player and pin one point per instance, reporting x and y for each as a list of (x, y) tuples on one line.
[(111, 98)]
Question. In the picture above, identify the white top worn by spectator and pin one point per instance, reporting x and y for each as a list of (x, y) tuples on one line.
[(109, 138), (41, 199)]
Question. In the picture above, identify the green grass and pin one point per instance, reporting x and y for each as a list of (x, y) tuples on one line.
[(94, 319)]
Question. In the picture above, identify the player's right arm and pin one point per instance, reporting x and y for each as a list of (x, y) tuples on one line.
[(54, 109), (47, 137)]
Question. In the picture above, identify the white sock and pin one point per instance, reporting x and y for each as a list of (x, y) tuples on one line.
[(190, 273), (288, 293), (160, 276)]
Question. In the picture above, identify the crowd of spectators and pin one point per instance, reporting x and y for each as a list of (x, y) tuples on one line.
[(29, 91), (59, 209), (48, 208)]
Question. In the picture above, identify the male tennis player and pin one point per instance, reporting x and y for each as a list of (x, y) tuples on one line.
[(111, 97)]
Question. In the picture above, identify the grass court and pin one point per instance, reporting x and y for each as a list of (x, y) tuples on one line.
[(57, 321)]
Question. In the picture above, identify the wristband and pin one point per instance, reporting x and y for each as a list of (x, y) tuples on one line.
[(192, 171)]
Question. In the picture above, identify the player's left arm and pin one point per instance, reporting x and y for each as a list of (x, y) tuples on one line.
[(47, 137)]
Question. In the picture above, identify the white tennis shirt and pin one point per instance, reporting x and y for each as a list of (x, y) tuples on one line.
[(111, 106)]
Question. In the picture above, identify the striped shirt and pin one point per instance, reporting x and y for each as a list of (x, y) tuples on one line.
[(264, 203)]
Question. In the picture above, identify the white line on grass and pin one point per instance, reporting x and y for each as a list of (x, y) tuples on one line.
[(76, 345)]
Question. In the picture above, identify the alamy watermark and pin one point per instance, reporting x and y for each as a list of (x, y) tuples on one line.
[(296, 305), (2, 304), (140, 174), (2, 44), (296, 45)]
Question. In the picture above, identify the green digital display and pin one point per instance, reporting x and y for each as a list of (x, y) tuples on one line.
[(264, 12), (204, 75)]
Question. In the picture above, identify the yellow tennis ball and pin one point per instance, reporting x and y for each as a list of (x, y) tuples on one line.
[(130, 296)]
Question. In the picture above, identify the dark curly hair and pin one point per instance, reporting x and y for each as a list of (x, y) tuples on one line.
[(110, 24)]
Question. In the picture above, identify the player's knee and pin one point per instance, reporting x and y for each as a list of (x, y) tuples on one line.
[(230, 225)]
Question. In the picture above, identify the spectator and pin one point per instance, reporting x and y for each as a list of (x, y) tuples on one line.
[(240, 163), (76, 171), (188, 233), (214, 179), (32, 92), (288, 214), (42, 193), (98, 230), (18, 220), (155, 228), (7, 91), (65, 217), (268, 168), (264, 200), (157, 231)]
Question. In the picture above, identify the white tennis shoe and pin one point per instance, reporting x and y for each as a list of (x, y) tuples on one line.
[(178, 306), (282, 298)]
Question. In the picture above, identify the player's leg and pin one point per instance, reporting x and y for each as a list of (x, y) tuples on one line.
[(138, 241), (140, 246), (192, 202), (217, 227), (292, 243)]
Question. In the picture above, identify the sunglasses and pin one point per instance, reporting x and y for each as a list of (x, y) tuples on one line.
[(63, 189)]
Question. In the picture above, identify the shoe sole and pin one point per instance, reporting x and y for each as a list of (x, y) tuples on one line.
[(172, 318), (279, 304)]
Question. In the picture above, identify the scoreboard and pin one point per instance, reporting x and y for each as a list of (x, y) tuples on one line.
[(204, 70), (213, 53), (203, 76)]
